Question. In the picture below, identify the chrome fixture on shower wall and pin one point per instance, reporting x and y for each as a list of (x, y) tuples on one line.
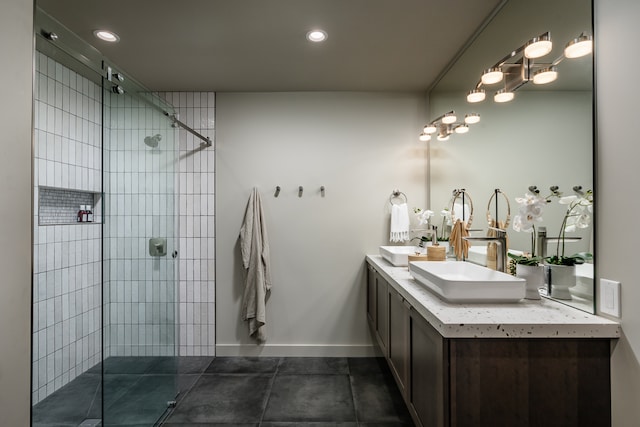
[(152, 141), (447, 124), (519, 68)]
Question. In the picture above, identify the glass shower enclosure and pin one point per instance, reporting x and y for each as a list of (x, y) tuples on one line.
[(105, 264)]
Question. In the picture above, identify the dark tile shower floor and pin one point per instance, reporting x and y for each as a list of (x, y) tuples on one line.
[(239, 392)]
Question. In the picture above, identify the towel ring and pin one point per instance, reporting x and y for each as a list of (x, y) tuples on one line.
[(456, 194), (396, 194), (489, 218)]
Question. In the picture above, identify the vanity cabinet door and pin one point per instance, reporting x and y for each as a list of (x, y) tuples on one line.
[(428, 358), (382, 313), (399, 339), (371, 296), (378, 307)]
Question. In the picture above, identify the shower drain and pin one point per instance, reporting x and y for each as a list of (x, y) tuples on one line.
[(91, 423)]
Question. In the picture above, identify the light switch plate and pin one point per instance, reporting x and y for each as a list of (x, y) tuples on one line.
[(610, 297)]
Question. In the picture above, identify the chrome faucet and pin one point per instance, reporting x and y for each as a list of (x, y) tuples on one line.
[(542, 240), (501, 240)]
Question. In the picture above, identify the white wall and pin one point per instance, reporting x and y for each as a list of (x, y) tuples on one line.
[(360, 146), (16, 48), (618, 152)]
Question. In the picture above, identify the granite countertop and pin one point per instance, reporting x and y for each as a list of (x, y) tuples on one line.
[(542, 318)]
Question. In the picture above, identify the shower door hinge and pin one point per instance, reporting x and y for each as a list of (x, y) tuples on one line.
[(171, 404)]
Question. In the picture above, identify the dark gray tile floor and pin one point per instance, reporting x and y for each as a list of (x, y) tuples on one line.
[(234, 392), (288, 392)]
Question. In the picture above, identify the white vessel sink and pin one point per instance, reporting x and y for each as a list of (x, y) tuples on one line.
[(397, 255), (457, 281)]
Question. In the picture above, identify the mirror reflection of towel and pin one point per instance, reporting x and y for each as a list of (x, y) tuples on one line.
[(460, 246), (399, 223)]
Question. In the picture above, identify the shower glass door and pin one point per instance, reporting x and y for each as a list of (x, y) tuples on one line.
[(140, 250)]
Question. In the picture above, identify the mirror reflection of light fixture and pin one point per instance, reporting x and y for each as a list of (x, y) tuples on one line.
[(447, 124), (518, 67), (449, 118), (471, 118), (492, 75), (476, 95), (503, 96)]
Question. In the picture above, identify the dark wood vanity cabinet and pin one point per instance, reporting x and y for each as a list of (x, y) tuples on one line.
[(398, 355), (378, 307), (489, 381)]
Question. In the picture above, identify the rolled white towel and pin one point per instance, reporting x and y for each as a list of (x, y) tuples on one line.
[(399, 223)]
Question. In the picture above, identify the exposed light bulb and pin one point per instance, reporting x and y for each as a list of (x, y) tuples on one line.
[(449, 118), (545, 75), (424, 137), (578, 47), (492, 76), (429, 129), (472, 118), (503, 96), (476, 95), (462, 129), (443, 137)]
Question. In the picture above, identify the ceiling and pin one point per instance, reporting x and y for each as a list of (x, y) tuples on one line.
[(260, 45)]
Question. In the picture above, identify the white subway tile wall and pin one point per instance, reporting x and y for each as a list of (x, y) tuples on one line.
[(141, 203), (66, 281), (196, 223)]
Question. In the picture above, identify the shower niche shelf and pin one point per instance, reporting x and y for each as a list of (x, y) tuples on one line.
[(60, 206)]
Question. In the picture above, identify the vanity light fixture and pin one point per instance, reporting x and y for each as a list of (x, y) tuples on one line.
[(538, 46), (545, 75), (447, 124), (317, 36), (519, 68), (108, 36), (578, 47)]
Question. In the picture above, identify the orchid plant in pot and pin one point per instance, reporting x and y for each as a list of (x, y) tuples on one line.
[(528, 265), (561, 266)]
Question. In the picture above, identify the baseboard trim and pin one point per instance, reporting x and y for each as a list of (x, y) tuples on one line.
[(291, 350)]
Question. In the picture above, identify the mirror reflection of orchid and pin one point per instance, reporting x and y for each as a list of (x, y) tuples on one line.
[(578, 215), (423, 216), (530, 210)]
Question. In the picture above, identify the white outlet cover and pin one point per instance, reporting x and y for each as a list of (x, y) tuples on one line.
[(610, 297)]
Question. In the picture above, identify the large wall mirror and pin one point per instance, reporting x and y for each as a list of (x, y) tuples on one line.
[(543, 137)]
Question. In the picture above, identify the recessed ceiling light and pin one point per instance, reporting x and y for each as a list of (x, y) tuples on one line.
[(316, 36), (107, 36)]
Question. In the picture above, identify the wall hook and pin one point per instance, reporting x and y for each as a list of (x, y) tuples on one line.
[(300, 189), (322, 191), (277, 191)]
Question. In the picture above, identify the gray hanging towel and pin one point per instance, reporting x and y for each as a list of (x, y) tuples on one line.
[(254, 245)]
